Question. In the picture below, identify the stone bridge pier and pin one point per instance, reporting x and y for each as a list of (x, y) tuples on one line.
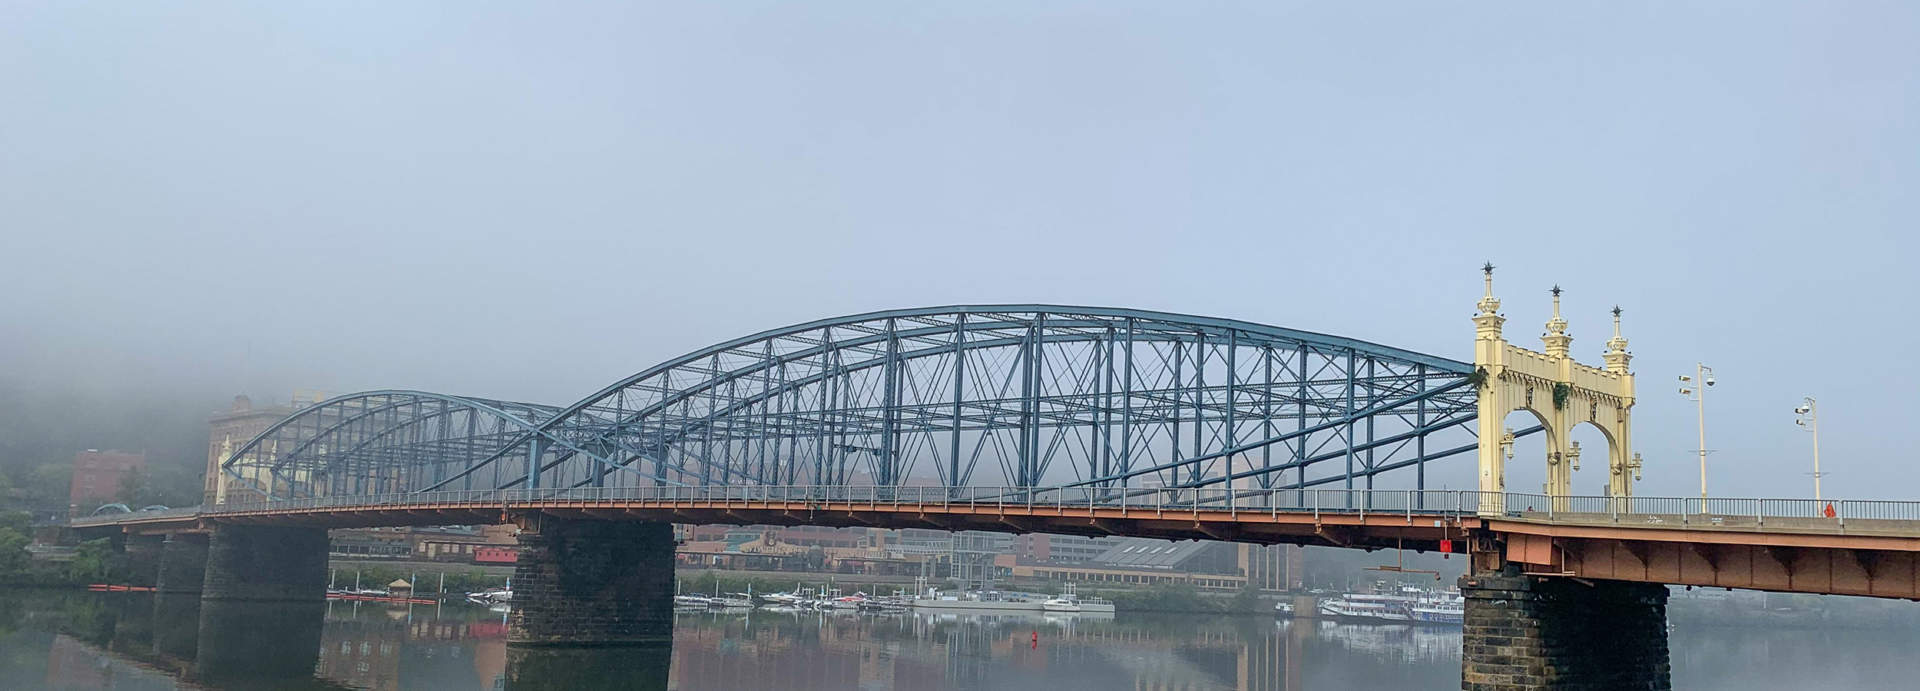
[(1531, 632), (183, 564), (592, 583), (142, 556), (265, 564)]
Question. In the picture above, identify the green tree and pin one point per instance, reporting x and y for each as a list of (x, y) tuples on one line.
[(1247, 600), (14, 559), (92, 562)]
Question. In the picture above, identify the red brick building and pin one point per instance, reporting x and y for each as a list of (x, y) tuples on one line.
[(97, 476)]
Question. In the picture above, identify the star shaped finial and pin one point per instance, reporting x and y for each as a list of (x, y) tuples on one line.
[(1556, 290), (1488, 268), (1616, 311)]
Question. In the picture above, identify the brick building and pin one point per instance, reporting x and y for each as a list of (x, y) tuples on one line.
[(97, 476)]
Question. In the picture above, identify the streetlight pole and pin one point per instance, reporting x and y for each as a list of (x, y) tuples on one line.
[(1810, 419), (1696, 389)]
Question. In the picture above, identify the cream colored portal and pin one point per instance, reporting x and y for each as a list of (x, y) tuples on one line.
[(1561, 393)]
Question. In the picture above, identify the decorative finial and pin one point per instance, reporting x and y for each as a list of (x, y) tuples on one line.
[(1556, 340), (1489, 305), (1487, 322), (1556, 325), (1617, 356)]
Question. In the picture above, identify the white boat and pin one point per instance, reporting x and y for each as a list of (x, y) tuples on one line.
[(798, 597), (688, 601), (491, 596), (1284, 609), (1445, 609), (1378, 609), (849, 602), (1070, 601), (991, 601)]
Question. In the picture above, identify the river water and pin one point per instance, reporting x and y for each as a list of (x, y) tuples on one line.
[(78, 640)]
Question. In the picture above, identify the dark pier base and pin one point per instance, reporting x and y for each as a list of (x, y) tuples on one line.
[(142, 554), (266, 645), (631, 668), (1526, 633), (266, 564), (183, 564), (592, 583), (176, 624)]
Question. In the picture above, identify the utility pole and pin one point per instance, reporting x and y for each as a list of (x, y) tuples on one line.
[(1695, 388), (1810, 419)]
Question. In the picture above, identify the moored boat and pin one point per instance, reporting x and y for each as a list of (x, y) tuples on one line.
[(1376, 609), (1069, 600)]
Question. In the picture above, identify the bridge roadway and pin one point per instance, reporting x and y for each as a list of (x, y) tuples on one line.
[(1786, 545)]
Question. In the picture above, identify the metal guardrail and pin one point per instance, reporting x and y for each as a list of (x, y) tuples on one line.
[(123, 517), (1409, 503)]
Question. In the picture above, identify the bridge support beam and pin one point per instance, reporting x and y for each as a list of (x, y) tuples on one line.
[(183, 564), (592, 583), (1528, 632), (266, 564)]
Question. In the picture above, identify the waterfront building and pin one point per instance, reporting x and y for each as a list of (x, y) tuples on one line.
[(98, 475)]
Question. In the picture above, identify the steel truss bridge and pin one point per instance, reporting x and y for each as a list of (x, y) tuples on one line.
[(1092, 401), (1029, 418)]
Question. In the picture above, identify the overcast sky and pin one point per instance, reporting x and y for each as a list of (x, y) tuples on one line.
[(528, 201)]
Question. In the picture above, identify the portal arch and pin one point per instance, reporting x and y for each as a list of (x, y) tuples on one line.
[(1560, 391)]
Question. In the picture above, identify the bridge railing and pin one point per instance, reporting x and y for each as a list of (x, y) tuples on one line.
[(1736, 512), (1123, 499)]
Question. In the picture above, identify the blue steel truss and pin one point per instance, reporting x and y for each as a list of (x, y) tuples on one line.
[(1009, 395)]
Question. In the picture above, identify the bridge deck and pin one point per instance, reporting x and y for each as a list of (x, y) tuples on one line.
[(1863, 548)]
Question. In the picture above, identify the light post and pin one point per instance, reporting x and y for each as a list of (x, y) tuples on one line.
[(1810, 419), (1695, 389)]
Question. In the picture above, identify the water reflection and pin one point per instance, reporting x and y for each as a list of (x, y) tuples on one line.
[(161, 640), (257, 643), (69, 640)]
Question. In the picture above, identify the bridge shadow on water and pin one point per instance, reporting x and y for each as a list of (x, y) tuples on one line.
[(80, 640)]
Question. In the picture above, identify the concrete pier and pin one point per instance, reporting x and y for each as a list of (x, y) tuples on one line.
[(266, 564), (183, 564), (592, 583), (142, 555), (1528, 633)]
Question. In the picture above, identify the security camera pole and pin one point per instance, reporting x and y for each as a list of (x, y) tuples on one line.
[(1810, 419), (1697, 391)]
